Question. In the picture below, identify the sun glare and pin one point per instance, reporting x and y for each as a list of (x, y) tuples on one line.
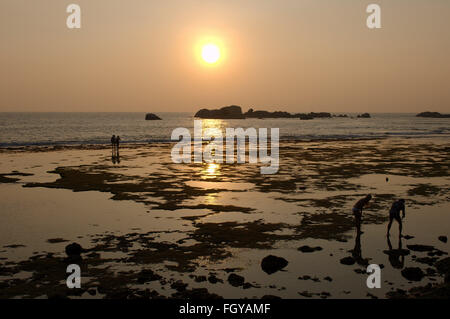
[(210, 53)]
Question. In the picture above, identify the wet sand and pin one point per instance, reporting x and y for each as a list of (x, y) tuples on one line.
[(154, 229)]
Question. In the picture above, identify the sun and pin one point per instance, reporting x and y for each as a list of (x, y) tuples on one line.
[(210, 53)]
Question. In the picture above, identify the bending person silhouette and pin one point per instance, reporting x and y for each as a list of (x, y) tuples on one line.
[(394, 213), (358, 209)]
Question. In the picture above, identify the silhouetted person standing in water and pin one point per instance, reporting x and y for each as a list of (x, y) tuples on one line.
[(113, 145), (358, 208), (394, 213)]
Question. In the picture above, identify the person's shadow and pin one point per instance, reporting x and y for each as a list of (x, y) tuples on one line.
[(357, 251), (396, 256), (115, 159)]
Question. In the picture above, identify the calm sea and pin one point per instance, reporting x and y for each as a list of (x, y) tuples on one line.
[(19, 129)]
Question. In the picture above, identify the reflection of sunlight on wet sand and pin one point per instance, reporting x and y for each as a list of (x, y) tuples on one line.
[(211, 170)]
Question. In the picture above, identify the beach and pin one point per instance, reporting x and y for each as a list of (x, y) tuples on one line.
[(151, 228)]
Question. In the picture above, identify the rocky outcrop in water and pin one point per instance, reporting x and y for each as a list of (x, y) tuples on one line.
[(227, 112), (435, 115), (152, 117)]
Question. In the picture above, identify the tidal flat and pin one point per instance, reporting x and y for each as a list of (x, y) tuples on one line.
[(151, 228)]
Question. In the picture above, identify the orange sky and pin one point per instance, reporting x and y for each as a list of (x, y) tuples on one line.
[(291, 55)]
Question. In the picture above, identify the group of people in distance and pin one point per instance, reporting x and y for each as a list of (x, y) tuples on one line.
[(115, 144), (397, 207)]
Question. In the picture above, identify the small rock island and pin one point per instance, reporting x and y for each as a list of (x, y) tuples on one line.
[(152, 117), (434, 115), (235, 112), (227, 112)]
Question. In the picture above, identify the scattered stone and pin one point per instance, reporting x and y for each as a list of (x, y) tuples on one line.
[(56, 240), (305, 294), (308, 249), (443, 266), (408, 237), (179, 286), (325, 294), (272, 264), (348, 261), (247, 285), (413, 273), (200, 278), (305, 277), (213, 279), (420, 248), (14, 246), (147, 275), (236, 280), (443, 239), (427, 260), (328, 278)]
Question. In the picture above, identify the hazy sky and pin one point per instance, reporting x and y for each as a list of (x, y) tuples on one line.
[(292, 55)]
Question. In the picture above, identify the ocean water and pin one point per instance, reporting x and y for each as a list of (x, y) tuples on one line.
[(21, 129)]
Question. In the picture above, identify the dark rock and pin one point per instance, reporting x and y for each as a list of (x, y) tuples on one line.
[(227, 112), (305, 277), (443, 266), (348, 261), (200, 278), (272, 264), (179, 286), (213, 279), (147, 275), (420, 248), (427, 260), (313, 115), (443, 239), (265, 114), (397, 252), (413, 273), (74, 250), (436, 115), (247, 285), (364, 116), (305, 117), (236, 280), (152, 117), (308, 249), (408, 237), (328, 278)]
